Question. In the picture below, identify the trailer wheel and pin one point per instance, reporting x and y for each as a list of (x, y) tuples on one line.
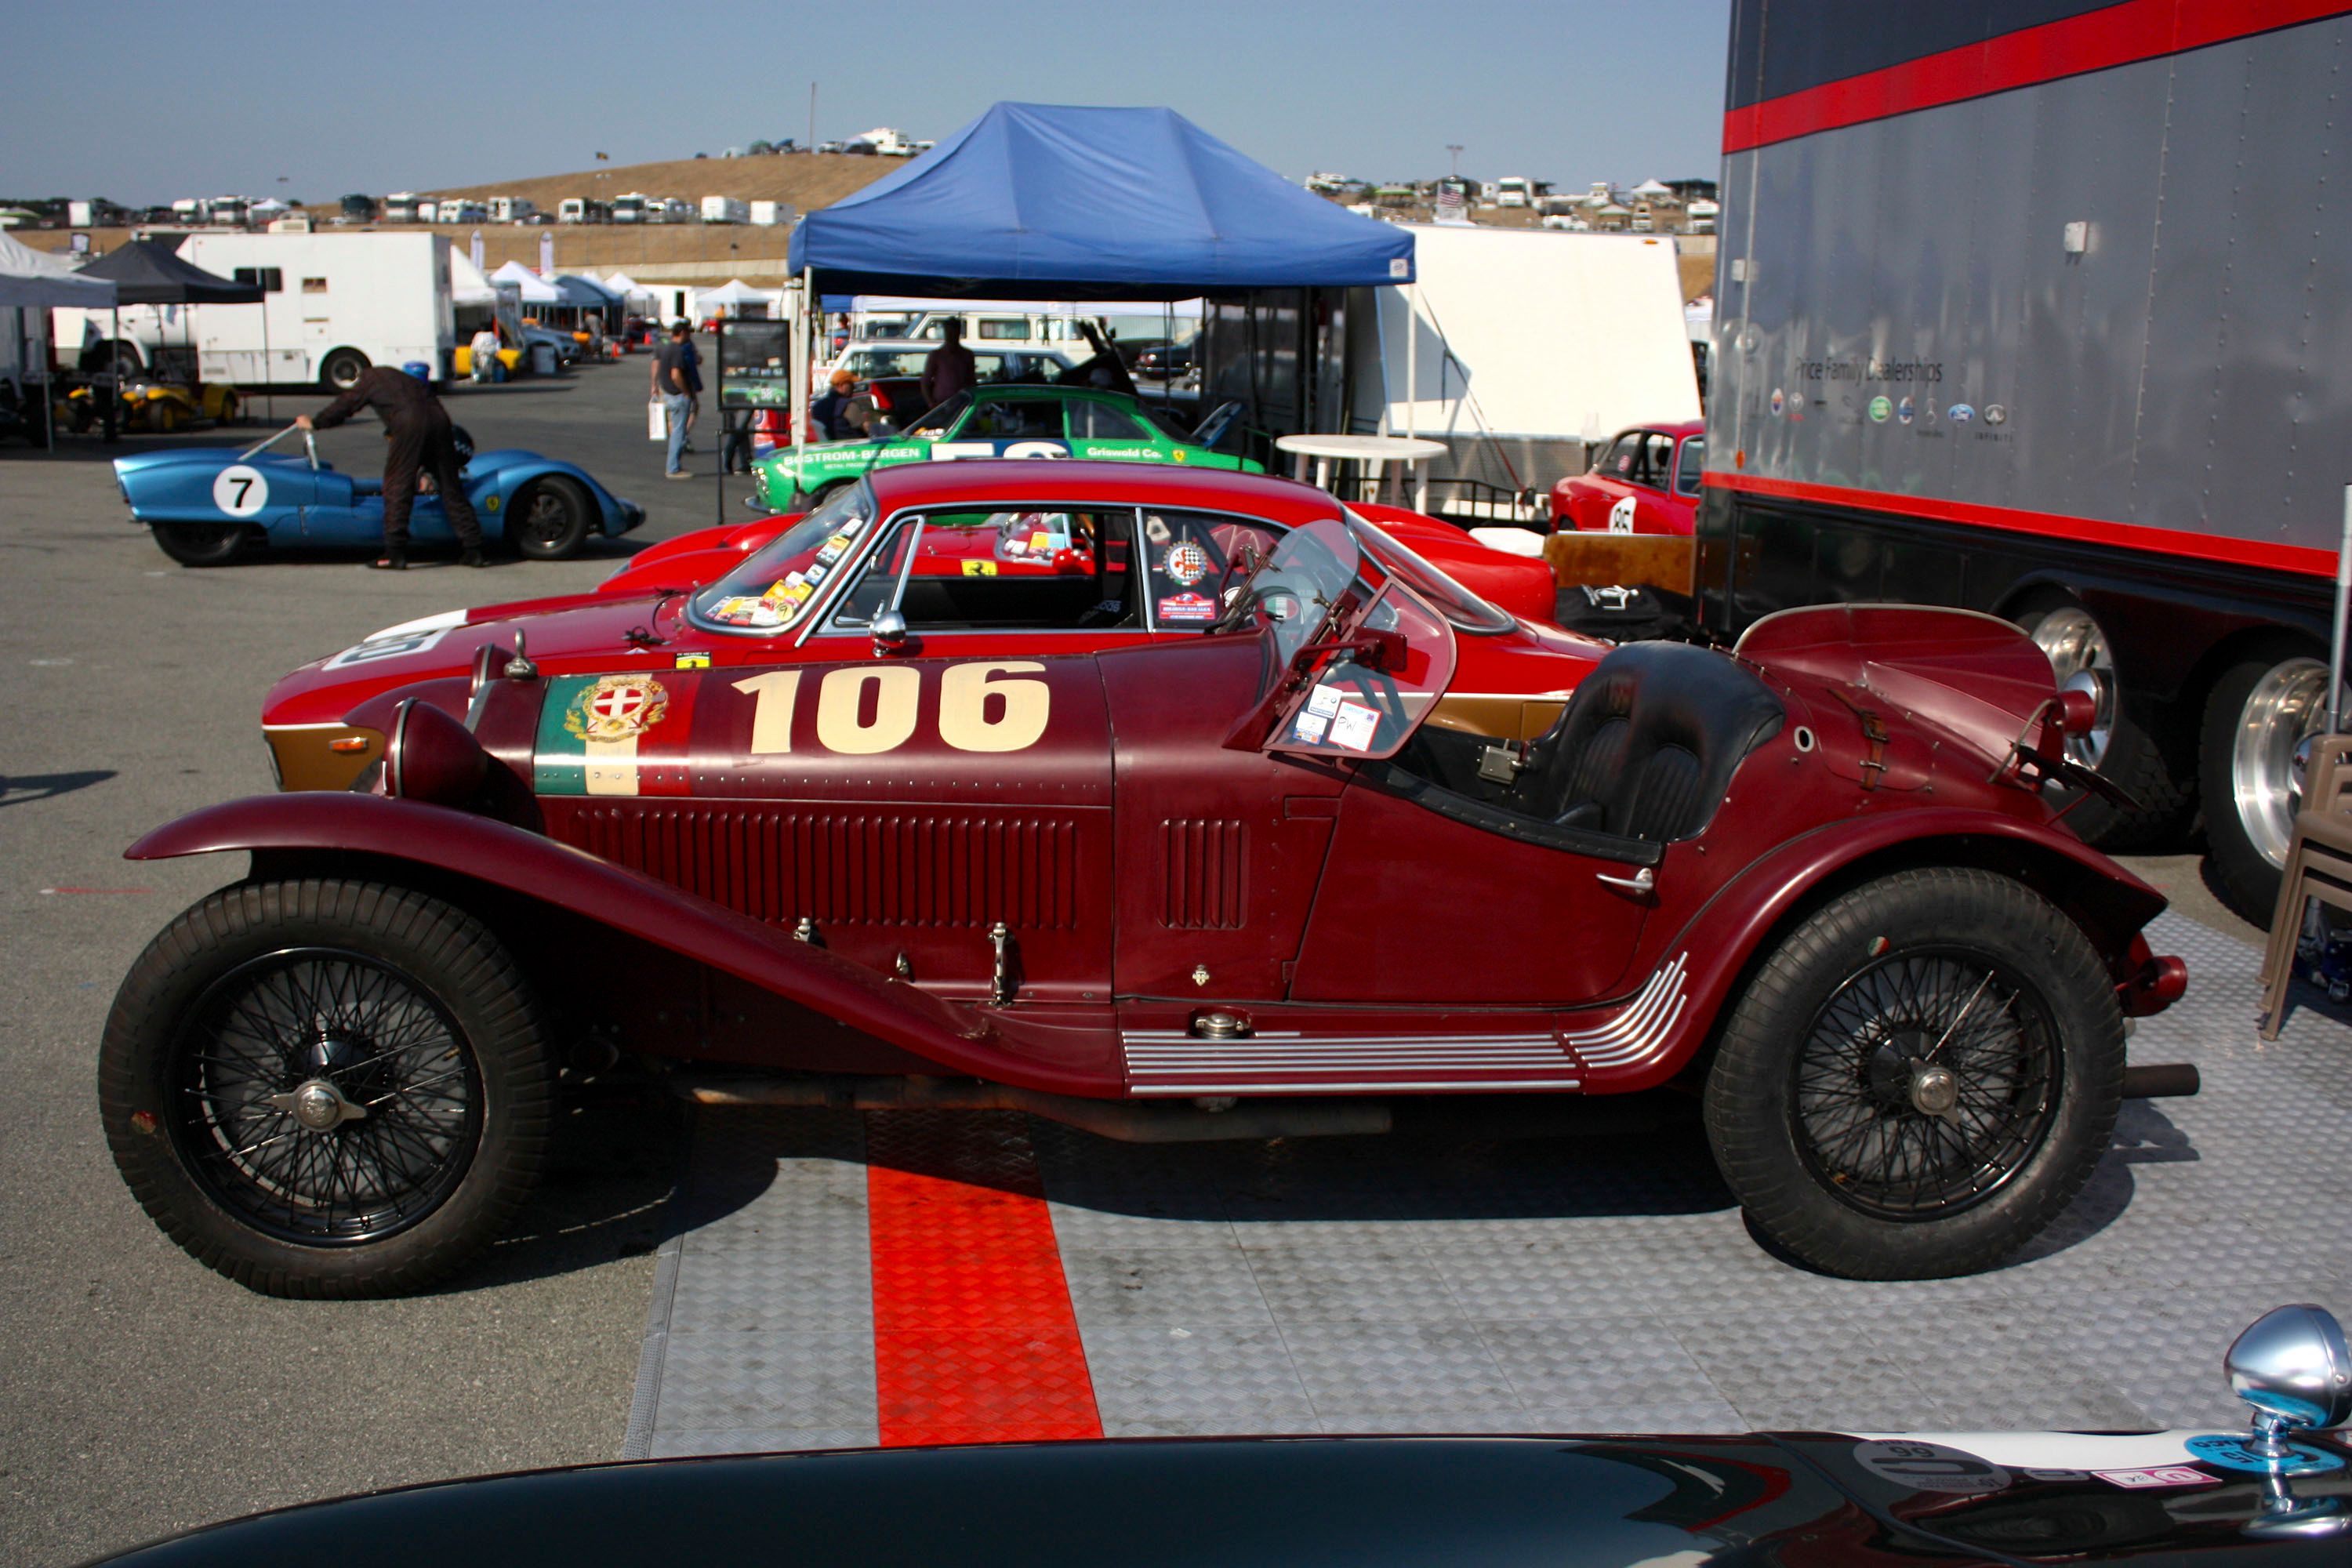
[(340, 371), (1919, 1077), (2258, 722), (2143, 750)]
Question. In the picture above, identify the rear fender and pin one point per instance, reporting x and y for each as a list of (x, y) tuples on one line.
[(454, 843), (1709, 959)]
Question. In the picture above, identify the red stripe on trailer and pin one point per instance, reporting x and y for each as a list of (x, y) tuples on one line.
[(2297, 558), (2075, 45), (974, 1338)]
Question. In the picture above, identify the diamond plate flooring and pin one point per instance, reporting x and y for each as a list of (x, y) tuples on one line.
[(1596, 1284)]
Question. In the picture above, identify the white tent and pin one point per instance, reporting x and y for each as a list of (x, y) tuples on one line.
[(1653, 188), (534, 290), (34, 280), (733, 295), (633, 294), (469, 286)]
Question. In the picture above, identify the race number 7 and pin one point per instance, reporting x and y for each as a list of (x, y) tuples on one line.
[(985, 706)]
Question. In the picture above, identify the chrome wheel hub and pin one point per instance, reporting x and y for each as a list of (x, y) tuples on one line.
[(1934, 1091), (317, 1105), (2081, 661), (2283, 713)]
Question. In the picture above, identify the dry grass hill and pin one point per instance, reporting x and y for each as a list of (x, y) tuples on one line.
[(807, 179)]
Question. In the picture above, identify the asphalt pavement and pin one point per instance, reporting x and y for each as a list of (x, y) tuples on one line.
[(142, 1393)]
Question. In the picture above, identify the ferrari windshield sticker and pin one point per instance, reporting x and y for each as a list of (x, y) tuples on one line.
[(1309, 728), (1323, 702), (1186, 562), (595, 735), (1353, 725), (385, 648), (1187, 607)]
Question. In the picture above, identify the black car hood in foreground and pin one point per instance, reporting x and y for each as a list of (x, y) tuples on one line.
[(1665, 1502)]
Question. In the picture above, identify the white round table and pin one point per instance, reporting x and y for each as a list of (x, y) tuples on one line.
[(1410, 450)]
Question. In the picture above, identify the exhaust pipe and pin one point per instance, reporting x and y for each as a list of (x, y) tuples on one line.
[(2162, 1080), (1128, 1121)]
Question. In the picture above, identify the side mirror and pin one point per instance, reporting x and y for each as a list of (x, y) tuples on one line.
[(2292, 1366), (889, 632)]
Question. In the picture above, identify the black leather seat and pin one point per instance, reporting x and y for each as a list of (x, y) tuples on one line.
[(1647, 746)]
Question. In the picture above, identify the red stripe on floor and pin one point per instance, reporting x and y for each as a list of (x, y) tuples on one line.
[(974, 1340)]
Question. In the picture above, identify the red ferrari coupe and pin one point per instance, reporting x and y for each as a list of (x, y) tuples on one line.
[(821, 832), (1646, 480)]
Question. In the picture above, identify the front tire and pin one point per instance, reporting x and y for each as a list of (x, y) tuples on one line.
[(1918, 1079), (548, 519), (2262, 709), (200, 544), (326, 1089)]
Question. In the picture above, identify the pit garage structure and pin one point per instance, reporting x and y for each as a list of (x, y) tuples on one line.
[(1050, 202)]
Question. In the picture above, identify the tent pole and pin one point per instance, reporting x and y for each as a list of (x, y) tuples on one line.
[(114, 376), (1412, 356), (803, 361)]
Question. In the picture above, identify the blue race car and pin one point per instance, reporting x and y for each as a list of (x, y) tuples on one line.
[(206, 504)]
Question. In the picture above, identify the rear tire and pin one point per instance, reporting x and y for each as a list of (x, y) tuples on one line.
[(2260, 707), (200, 543), (2141, 749), (329, 995), (340, 370), (1820, 1105), (548, 519)]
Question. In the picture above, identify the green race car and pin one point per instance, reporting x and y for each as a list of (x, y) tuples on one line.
[(1004, 421)]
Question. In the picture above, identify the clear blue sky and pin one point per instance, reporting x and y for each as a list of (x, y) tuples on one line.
[(146, 102)]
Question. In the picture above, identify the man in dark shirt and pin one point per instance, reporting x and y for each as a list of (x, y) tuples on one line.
[(830, 413), (417, 428), (950, 368), (677, 382)]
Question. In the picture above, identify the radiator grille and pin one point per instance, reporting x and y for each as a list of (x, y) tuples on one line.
[(1203, 860), (898, 867)]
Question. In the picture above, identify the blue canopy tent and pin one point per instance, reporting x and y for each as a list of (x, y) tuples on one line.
[(1039, 201)]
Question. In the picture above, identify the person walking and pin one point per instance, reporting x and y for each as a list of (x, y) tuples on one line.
[(485, 349), (948, 368), (419, 441), (677, 382)]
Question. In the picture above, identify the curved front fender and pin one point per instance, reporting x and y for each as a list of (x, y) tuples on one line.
[(1693, 974), (958, 1038)]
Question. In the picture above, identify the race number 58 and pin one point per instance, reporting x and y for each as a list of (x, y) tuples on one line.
[(863, 711)]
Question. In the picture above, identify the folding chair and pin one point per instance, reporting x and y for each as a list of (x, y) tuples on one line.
[(2318, 865)]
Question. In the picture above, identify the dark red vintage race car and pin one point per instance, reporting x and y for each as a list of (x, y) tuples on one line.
[(1238, 884)]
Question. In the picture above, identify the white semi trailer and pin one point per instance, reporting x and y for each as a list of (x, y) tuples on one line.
[(334, 304), (2045, 309)]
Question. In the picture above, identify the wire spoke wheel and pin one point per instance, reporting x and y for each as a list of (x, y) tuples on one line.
[(324, 1097), (1926, 1082)]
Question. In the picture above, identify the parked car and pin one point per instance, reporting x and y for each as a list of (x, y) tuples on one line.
[(1004, 420), (1645, 480), (1162, 361), (1252, 882), (1813, 1499), (208, 505), (1518, 586), (892, 372)]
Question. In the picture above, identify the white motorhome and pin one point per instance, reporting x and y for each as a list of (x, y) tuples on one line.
[(673, 209), (513, 209), (398, 207), (1514, 191), (333, 305), (725, 209), (461, 209), (630, 207), (771, 214)]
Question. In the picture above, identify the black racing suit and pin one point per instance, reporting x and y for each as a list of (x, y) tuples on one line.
[(417, 427)]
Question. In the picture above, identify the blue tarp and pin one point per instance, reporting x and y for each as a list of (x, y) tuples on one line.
[(1038, 200)]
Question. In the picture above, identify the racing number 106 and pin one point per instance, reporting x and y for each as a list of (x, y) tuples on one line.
[(969, 720)]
